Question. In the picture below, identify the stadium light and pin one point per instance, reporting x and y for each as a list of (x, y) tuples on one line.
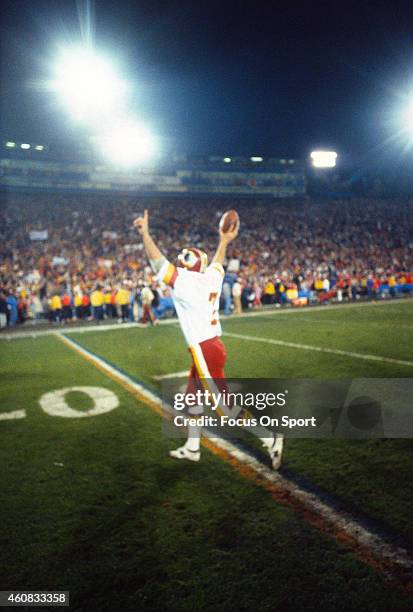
[(87, 84), (255, 158), (10, 144), (39, 147), (324, 159), (407, 117), (128, 144), (227, 160), (25, 145)]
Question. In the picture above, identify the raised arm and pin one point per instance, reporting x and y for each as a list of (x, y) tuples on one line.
[(155, 256), (224, 239)]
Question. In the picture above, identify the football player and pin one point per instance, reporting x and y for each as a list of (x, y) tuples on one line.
[(196, 288)]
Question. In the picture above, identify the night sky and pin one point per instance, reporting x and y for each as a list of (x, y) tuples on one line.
[(224, 77)]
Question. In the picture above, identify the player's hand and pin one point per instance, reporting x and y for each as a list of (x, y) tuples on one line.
[(142, 224), (229, 236)]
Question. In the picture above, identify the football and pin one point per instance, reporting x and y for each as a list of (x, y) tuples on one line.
[(228, 221)]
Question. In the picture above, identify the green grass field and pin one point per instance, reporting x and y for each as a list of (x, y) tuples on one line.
[(95, 506)]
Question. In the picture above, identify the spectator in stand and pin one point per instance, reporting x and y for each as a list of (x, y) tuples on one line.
[(370, 286), (56, 307), (340, 289), (257, 292), (123, 299), (86, 306), (392, 285), (78, 305), (36, 307), (300, 241), (353, 287), (269, 292), (147, 298), (227, 293), (132, 305), (236, 295), (291, 291), (3, 309), (363, 286), (279, 292), (12, 309), (107, 303), (67, 307), (318, 285), (113, 303), (137, 303), (97, 301), (21, 308)]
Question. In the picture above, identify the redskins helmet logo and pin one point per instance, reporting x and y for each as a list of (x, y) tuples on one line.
[(193, 259)]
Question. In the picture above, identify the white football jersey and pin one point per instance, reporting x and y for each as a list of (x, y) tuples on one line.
[(196, 299)]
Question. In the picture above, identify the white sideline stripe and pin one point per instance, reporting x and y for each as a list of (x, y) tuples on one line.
[(320, 349), (182, 374), (260, 313), (340, 520)]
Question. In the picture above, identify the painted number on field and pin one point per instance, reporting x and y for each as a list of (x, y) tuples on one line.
[(14, 414), (55, 404)]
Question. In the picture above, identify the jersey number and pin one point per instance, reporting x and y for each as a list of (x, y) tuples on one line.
[(212, 298)]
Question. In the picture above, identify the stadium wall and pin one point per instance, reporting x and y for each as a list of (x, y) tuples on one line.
[(172, 180)]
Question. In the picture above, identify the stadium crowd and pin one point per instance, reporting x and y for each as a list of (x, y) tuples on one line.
[(67, 257)]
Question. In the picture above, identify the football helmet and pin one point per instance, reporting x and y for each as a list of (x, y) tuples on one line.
[(193, 259)]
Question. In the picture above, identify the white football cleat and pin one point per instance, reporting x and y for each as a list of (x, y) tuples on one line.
[(185, 453), (275, 452)]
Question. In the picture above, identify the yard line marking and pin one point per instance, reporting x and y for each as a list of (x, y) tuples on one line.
[(394, 562), (270, 312), (182, 374), (319, 349)]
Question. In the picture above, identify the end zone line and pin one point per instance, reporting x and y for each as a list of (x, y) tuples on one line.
[(319, 349), (372, 549)]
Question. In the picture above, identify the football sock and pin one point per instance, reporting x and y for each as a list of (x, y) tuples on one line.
[(194, 432), (194, 438)]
